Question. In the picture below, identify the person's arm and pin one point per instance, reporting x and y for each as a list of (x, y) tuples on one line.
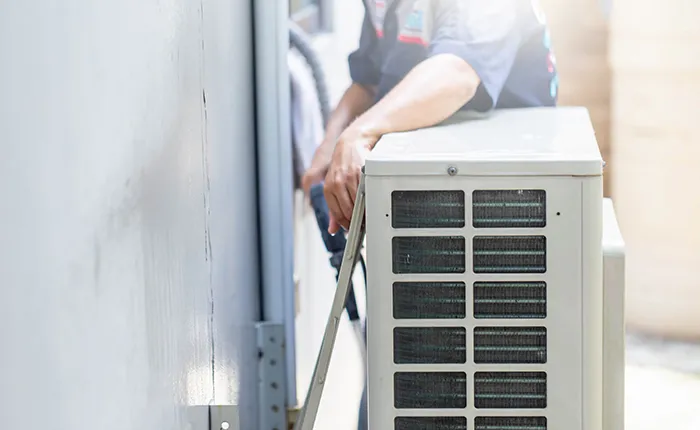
[(473, 47), (430, 93), (365, 75), (354, 102)]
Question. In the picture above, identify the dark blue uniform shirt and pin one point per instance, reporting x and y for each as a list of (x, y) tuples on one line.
[(505, 41)]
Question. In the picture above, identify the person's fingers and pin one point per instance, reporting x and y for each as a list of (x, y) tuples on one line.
[(333, 226), (334, 223), (346, 225), (333, 210), (340, 189), (335, 189), (312, 177), (306, 183)]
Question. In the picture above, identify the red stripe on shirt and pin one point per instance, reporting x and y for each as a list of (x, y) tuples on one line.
[(415, 40)]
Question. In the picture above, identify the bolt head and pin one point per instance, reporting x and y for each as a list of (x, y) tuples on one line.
[(451, 170)]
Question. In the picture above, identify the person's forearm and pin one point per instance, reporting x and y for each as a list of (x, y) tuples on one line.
[(356, 100), (433, 91)]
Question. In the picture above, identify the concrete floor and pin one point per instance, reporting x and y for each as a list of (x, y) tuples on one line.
[(663, 386)]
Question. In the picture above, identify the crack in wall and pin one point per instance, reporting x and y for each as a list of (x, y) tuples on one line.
[(206, 198)]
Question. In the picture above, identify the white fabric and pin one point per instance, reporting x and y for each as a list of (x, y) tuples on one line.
[(307, 122)]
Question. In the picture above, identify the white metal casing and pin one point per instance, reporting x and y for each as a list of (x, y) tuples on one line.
[(512, 142), (613, 321), (544, 148)]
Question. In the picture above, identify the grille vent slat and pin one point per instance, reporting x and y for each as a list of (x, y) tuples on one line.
[(430, 345), (428, 254), (427, 209), (429, 300), (509, 300), (510, 423), (509, 209), (430, 390), (501, 345), (510, 390), (510, 254), (434, 388), (430, 423)]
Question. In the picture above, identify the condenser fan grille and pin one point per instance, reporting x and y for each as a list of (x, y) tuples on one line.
[(429, 300), (509, 209), (510, 423), (427, 209), (426, 358), (510, 390), (510, 345), (430, 390), (430, 345), (509, 300), (430, 423), (428, 254), (510, 254)]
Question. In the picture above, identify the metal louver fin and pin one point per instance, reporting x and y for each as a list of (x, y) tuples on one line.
[(510, 254), (430, 345), (430, 390), (510, 300), (510, 423), (427, 209), (428, 254), (509, 209), (510, 345), (430, 423), (429, 300), (510, 390)]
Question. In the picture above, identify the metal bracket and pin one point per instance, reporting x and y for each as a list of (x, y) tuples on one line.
[(224, 418), (213, 417), (273, 413), (292, 416), (272, 406)]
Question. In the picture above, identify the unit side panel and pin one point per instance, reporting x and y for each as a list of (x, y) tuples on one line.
[(562, 321), (613, 321), (592, 301)]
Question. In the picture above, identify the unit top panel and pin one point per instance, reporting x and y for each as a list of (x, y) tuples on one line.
[(534, 141)]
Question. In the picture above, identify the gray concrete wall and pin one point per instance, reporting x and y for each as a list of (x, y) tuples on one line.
[(128, 260)]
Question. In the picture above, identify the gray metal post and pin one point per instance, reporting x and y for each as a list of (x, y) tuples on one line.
[(275, 185)]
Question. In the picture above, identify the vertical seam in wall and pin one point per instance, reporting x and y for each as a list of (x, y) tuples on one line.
[(289, 294), (257, 154), (206, 194)]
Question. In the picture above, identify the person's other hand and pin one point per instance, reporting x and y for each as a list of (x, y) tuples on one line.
[(343, 177), (319, 166)]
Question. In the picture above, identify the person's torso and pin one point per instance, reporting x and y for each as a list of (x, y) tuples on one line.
[(404, 29)]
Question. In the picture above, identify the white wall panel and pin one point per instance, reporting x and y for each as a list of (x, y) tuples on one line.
[(127, 212)]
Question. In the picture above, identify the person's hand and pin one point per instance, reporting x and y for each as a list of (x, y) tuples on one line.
[(343, 177), (319, 166)]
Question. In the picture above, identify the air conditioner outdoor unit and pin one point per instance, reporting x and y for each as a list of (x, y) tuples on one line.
[(489, 305), (495, 295)]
